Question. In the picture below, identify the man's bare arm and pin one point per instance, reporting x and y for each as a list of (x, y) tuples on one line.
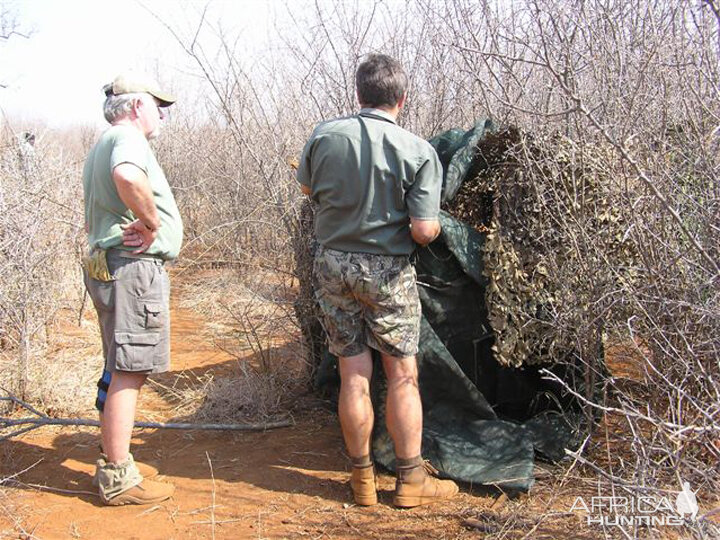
[(424, 231), (134, 190)]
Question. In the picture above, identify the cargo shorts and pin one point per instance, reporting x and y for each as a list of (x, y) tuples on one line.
[(134, 313), (367, 300)]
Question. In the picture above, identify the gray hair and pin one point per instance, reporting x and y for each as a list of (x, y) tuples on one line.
[(380, 80), (117, 107)]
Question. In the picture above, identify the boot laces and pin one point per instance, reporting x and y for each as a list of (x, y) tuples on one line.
[(432, 471)]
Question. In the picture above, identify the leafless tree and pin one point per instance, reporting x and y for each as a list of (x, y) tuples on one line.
[(38, 231), (10, 26), (625, 96)]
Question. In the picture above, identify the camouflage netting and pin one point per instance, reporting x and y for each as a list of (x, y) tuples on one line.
[(502, 294), (535, 200)]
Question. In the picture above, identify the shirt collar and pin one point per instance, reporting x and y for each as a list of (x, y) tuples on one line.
[(368, 111)]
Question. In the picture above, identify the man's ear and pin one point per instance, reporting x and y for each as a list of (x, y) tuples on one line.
[(137, 105), (401, 101)]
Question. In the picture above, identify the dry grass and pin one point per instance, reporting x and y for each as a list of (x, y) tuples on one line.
[(62, 375), (249, 317), (245, 396)]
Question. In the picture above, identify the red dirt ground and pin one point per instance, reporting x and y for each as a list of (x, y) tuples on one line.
[(286, 483)]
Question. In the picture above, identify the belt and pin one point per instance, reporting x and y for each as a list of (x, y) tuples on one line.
[(141, 256)]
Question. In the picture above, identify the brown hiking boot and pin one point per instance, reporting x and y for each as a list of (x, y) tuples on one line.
[(121, 483), (364, 487), (145, 470), (146, 492), (417, 485)]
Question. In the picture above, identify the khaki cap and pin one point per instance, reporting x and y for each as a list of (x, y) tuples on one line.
[(128, 83)]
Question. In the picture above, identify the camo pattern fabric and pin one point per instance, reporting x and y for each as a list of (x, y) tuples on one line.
[(95, 264), (367, 300)]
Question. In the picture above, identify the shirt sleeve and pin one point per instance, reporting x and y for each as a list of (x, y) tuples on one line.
[(423, 197), (304, 171), (130, 147)]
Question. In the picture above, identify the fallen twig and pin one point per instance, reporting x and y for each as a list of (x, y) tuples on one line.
[(150, 510), (212, 506), (26, 469), (52, 489), (480, 525), (207, 522), (41, 420)]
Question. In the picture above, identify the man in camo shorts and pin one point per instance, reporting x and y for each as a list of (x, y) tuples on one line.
[(377, 188)]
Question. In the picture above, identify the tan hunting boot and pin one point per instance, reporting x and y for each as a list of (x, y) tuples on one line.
[(145, 470), (417, 485), (121, 483), (364, 487), (146, 492)]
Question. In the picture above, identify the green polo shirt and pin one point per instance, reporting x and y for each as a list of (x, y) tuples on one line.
[(369, 176), (105, 211)]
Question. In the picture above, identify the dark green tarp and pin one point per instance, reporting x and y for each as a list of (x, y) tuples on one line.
[(456, 149)]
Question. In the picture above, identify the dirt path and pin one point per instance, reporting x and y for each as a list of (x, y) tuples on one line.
[(288, 483)]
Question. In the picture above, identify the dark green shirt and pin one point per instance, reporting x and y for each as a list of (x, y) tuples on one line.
[(369, 176), (105, 211)]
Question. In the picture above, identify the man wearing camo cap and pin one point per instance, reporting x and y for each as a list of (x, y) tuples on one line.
[(377, 188), (133, 227)]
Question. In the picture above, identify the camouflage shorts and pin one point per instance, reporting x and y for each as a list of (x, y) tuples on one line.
[(367, 300)]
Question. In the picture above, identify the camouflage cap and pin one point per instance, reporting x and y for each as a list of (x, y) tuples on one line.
[(127, 83)]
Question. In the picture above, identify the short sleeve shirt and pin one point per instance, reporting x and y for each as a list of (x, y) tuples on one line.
[(105, 211), (369, 176)]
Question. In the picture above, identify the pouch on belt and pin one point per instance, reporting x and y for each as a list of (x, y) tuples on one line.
[(96, 265)]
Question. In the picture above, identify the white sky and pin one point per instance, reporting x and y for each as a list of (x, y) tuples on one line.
[(56, 76)]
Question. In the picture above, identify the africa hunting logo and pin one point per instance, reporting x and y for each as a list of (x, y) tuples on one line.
[(649, 511)]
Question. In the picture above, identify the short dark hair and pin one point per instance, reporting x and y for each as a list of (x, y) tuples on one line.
[(380, 80)]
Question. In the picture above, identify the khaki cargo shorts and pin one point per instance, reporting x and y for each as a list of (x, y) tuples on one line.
[(134, 313), (367, 300)]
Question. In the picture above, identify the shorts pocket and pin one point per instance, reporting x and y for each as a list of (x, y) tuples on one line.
[(135, 351), (102, 293), (154, 316)]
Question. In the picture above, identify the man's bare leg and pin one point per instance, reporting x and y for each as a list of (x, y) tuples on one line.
[(119, 480), (354, 407), (414, 485), (404, 408), (119, 416), (356, 418)]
